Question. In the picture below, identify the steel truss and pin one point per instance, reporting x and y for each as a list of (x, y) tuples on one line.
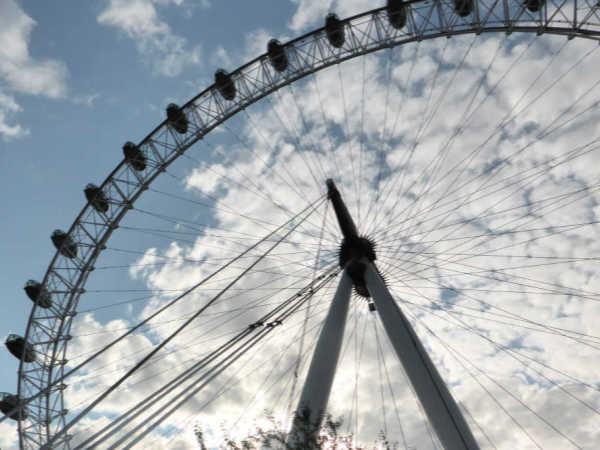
[(48, 329)]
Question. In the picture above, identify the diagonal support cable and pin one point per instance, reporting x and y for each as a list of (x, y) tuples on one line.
[(167, 388), (58, 381), (102, 396)]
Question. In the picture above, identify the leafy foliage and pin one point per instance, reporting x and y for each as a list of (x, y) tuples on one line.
[(276, 437)]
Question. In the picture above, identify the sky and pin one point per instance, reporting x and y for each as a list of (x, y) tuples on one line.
[(496, 260)]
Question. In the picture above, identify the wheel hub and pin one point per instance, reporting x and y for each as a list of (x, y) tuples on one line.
[(354, 251)]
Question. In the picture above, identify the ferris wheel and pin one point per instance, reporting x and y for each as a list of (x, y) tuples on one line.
[(444, 187)]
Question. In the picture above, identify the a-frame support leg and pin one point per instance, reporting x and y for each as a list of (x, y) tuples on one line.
[(439, 405), (315, 394)]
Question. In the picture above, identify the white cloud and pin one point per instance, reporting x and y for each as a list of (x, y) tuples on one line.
[(311, 14), (271, 137), (222, 58), (206, 179), (140, 21), (308, 13), (474, 238), (8, 435), (255, 43), (19, 71), (204, 4), (8, 107), (87, 99)]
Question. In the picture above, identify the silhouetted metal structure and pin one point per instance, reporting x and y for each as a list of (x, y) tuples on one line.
[(359, 269), (77, 249)]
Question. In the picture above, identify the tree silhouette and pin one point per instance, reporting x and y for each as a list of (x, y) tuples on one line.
[(275, 436)]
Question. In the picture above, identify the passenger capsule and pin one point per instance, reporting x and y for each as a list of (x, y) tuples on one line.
[(534, 5), (225, 84), (19, 348), (372, 307), (277, 55), (64, 244), (134, 156), (96, 197), (463, 7), (334, 28), (396, 13), (9, 405), (38, 293), (176, 118)]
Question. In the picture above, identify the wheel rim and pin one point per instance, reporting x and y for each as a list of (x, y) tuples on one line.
[(163, 146)]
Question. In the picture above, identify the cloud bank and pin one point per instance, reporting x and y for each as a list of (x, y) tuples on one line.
[(139, 20), (20, 72)]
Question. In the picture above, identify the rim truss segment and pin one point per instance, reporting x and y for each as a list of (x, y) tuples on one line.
[(48, 330)]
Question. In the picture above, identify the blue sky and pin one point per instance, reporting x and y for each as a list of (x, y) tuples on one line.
[(101, 91), (79, 80), (93, 86)]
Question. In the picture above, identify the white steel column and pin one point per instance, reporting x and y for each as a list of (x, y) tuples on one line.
[(322, 368), (440, 407)]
